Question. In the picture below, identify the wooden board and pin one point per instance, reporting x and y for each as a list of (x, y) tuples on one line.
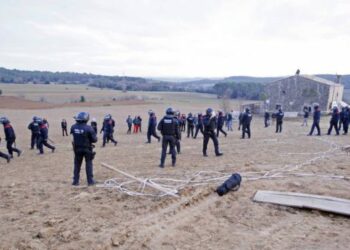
[(324, 203)]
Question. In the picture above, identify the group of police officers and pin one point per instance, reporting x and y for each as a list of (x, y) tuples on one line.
[(170, 127)]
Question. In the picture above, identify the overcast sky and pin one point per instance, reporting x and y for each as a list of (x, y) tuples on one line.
[(184, 38)]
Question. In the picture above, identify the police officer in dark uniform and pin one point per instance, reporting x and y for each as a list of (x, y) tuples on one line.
[(5, 156), (209, 122), (10, 137), (108, 130), (316, 121), (246, 120), (190, 125), (341, 118), (240, 120), (83, 138), (43, 137), (267, 118), (221, 123), (94, 124), (169, 129), (64, 127), (152, 124), (346, 120), (334, 121), (199, 126), (279, 120), (34, 127)]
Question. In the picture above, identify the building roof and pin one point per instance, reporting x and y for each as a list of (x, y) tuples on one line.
[(314, 78)]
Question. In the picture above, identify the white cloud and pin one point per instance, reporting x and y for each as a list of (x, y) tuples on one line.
[(177, 38)]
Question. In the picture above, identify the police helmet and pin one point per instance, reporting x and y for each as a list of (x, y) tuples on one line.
[(82, 117), (335, 108), (169, 111), (35, 118), (4, 120), (107, 117), (247, 110), (209, 111)]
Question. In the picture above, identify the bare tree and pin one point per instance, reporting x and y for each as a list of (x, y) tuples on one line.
[(225, 101)]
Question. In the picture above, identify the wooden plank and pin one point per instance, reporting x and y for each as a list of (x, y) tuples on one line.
[(159, 188), (324, 203)]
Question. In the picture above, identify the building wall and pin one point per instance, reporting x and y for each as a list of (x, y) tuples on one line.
[(296, 91), (335, 94)]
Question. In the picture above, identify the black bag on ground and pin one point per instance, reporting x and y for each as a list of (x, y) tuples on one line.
[(232, 183)]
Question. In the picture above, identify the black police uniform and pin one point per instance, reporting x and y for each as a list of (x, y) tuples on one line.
[(83, 138), (199, 126), (316, 122), (151, 131), (43, 137), (209, 133), (94, 126), (34, 127), (279, 121), (266, 119), (346, 120), (221, 121), (10, 137), (169, 129), (190, 126), (64, 128), (246, 120), (108, 130), (334, 122)]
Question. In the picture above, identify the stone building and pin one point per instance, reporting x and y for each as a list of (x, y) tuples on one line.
[(294, 92)]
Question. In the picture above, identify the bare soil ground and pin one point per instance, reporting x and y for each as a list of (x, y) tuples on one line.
[(39, 208)]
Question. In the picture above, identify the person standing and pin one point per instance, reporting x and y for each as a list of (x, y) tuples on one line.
[(267, 118), (246, 120), (10, 137), (43, 138), (229, 121), (341, 118), (129, 123), (316, 121), (83, 138), (136, 123), (168, 127), (64, 127), (334, 121), (190, 125), (140, 123), (151, 130), (35, 129), (306, 116), (346, 120), (108, 130), (199, 126), (279, 120), (220, 125), (94, 124), (209, 122)]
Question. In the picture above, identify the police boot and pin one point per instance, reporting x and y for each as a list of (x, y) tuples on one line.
[(8, 158), (173, 163), (19, 153)]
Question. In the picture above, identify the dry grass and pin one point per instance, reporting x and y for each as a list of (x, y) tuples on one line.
[(40, 209)]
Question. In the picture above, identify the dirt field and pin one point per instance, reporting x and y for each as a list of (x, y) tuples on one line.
[(39, 208)]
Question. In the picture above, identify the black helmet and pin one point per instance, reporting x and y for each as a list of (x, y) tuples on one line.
[(35, 118), (209, 111), (107, 117), (82, 117), (4, 120), (169, 111), (247, 110)]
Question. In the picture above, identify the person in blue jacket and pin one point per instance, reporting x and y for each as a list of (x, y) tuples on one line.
[(316, 121), (35, 129), (151, 130), (220, 125), (333, 123)]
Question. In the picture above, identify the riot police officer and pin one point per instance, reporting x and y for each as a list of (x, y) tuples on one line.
[(10, 137), (209, 122), (346, 120), (221, 122), (34, 127), (43, 137), (279, 120), (83, 138), (190, 125), (246, 120), (108, 130), (334, 121), (199, 125), (169, 129), (152, 124), (316, 121)]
